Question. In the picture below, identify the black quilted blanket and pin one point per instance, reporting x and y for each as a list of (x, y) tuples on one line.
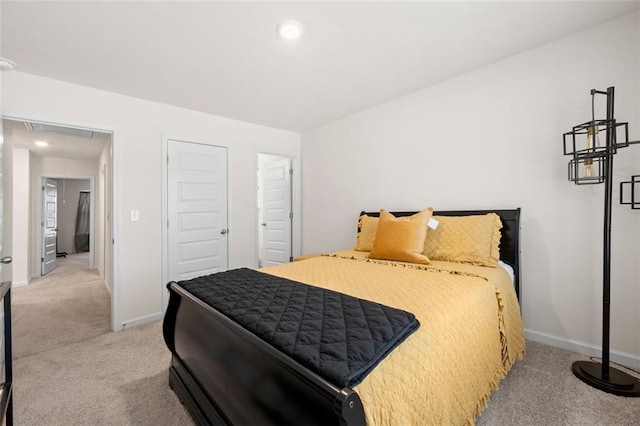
[(339, 337)]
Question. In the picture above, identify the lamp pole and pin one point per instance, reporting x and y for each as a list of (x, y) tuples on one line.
[(606, 268), (603, 376)]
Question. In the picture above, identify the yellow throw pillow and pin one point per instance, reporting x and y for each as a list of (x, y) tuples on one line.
[(367, 234), (401, 238), (466, 239)]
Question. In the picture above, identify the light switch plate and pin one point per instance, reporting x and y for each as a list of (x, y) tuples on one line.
[(135, 215)]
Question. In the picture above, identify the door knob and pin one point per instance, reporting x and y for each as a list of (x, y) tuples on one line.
[(6, 260), (224, 231), (264, 224)]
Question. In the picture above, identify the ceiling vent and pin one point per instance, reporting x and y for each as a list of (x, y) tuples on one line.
[(6, 64), (66, 131)]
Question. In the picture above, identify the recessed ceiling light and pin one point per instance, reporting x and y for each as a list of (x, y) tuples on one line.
[(290, 30), (41, 143)]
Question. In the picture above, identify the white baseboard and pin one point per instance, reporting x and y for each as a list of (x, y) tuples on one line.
[(142, 320), (623, 358), (17, 284), (106, 286)]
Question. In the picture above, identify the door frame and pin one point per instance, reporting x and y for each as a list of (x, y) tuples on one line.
[(116, 321), (296, 202), (165, 207), (39, 214)]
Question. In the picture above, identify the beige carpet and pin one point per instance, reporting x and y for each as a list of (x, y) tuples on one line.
[(70, 370), (70, 304), (541, 390)]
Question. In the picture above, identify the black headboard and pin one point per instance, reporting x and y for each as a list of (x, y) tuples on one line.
[(509, 243)]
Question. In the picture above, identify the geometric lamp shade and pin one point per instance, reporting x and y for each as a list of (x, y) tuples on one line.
[(630, 192), (586, 171)]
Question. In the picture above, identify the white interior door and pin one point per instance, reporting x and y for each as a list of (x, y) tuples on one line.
[(196, 210), (277, 215), (4, 258), (50, 194)]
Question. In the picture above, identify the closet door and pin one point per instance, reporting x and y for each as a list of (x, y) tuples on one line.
[(5, 258), (197, 210)]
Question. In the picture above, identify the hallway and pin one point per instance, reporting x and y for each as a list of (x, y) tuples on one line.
[(68, 305)]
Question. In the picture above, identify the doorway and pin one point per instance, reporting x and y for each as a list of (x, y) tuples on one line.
[(67, 154), (68, 224), (275, 209)]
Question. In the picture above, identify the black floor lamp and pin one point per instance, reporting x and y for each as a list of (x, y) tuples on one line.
[(592, 163)]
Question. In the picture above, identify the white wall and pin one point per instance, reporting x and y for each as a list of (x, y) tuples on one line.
[(492, 138), (139, 128), (68, 198)]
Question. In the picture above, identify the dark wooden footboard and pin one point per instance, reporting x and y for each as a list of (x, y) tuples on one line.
[(226, 375)]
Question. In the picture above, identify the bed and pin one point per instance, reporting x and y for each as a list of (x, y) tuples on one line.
[(470, 336)]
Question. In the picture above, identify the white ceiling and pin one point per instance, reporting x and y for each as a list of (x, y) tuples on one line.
[(225, 58), (60, 146)]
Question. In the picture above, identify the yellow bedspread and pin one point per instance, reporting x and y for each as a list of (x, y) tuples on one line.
[(470, 334)]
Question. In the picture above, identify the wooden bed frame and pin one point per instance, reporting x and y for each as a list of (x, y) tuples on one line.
[(225, 375)]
